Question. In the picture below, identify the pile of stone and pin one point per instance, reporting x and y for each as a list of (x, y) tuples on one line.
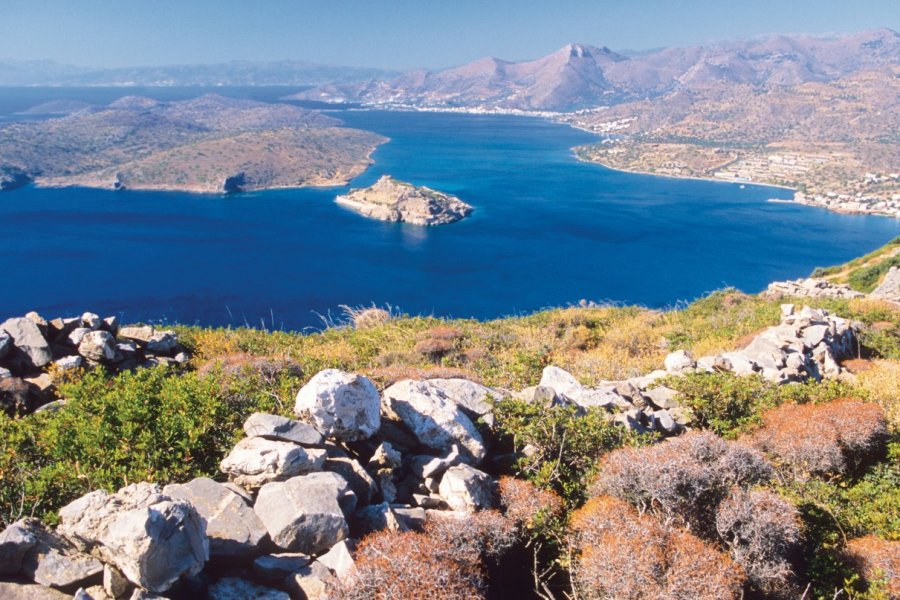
[(298, 493), (353, 461), (810, 288), (808, 343), (33, 348), (889, 289)]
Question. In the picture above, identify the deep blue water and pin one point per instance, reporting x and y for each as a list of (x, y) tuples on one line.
[(547, 231)]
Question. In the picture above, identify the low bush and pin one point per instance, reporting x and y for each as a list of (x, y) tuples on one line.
[(683, 478), (563, 444), (823, 439), (150, 425), (399, 566), (762, 532), (622, 554), (729, 405), (879, 561)]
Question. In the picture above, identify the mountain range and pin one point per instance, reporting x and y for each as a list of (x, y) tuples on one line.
[(580, 76)]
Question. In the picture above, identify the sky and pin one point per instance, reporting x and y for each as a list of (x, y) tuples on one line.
[(397, 34)]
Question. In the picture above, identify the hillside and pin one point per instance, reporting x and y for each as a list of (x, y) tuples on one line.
[(193, 145), (836, 142), (490, 459), (579, 76)]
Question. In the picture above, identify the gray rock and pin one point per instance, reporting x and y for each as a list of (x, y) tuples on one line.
[(274, 568), (814, 335), (278, 428), (426, 466), (91, 321), (162, 342), (67, 363), (53, 561), (115, 584), (664, 422), (342, 405), (76, 335), (476, 400), (412, 518), (889, 289), (662, 397), (99, 346), (465, 488), (255, 461), (5, 373), (15, 541), (740, 364), (29, 591), (111, 324), (151, 538), (310, 583), (435, 420), (6, 343), (385, 457), (563, 384), (377, 517), (233, 529), (234, 588), (360, 481), (30, 350), (714, 364), (139, 333), (306, 513), (338, 559), (680, 361)]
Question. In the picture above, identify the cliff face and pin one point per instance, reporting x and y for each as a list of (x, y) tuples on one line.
[(392, 200)]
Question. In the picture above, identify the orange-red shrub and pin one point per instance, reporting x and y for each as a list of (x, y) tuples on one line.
[(524, 503), (822, 439), (400, 566), (684, 478), (485, 534), (625, 555), (878, 560)]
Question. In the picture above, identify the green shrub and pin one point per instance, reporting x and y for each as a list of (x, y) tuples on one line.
[(866, 279), (563, 444), (150, 425), (729, 405)]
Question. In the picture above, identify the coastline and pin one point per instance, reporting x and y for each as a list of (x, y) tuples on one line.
[(689, 177), (356, 171)]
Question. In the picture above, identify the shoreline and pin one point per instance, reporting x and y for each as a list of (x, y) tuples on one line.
[(687, 177)]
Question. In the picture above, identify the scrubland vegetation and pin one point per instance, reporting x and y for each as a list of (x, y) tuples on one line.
[(777, 492)]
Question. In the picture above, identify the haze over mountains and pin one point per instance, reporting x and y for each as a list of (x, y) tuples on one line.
[(580, 76), (235, 73)]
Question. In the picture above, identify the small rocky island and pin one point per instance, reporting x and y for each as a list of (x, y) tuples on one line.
[(392, 200)]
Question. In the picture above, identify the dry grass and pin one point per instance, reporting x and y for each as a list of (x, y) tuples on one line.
[(882, 382)]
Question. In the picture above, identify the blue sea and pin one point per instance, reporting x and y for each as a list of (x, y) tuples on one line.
[(547, 231)]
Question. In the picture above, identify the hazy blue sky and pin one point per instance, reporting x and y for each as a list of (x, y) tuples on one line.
[(397, 34)]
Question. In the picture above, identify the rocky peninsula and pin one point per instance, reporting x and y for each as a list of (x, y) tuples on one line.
[(209, 144), (392, 200)]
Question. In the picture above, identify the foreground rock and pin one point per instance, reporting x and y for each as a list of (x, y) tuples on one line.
[(151, 538), (307, 513), (436, 421), (234, 530), (341, 405), (392, 200), (256, 461)]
